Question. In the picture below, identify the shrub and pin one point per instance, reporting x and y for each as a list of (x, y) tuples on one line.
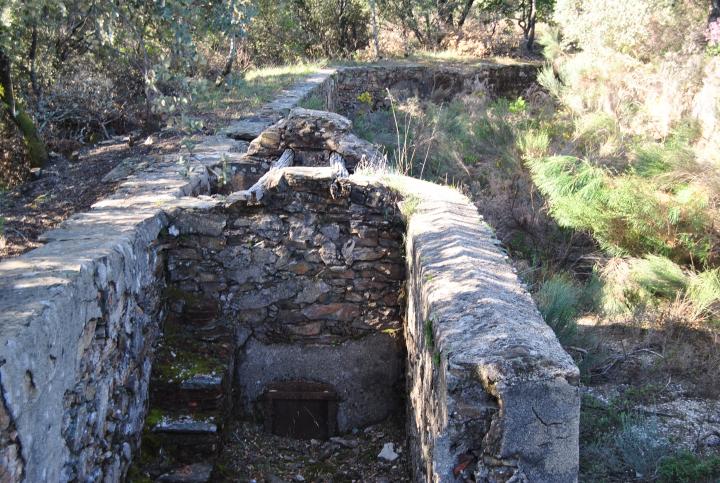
[(641, 28), (558, 300), (659, 276), (686, 467), (628, 215), (642, 446)]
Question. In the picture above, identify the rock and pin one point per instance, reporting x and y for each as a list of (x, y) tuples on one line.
[(191, 223), (121, 171), (247, 129), (312, 291), (712, 440), (347, 443), (331, 231), (347, 252), (328, 253), (307, 330), (388, 453), (336, 311), (270, 478), (195, 473)]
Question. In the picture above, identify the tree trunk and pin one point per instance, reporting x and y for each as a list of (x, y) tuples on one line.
[(228, 62), (532, 18), (35, 146), (32, 57), (465, 13), (376, 43), (714, 10)]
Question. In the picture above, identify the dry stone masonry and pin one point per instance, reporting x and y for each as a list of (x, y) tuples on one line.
[(142, 326)]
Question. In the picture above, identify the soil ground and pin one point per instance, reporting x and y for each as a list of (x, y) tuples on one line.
[(252, 455)]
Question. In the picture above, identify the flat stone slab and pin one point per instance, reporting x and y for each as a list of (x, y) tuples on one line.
[(185, 424), (195, 473), (248, 129)]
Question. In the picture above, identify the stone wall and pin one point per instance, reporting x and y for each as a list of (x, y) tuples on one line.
[(342, 91), (78, 321), (80, 315), (311, 277), (490, 389)]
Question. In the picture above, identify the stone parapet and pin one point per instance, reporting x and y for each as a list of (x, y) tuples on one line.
[(490, 389)]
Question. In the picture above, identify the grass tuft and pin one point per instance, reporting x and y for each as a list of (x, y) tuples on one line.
[(558, 300)]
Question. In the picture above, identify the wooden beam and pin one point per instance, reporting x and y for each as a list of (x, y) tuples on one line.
[(257, 191)]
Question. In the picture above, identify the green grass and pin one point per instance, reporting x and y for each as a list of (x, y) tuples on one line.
[(686, 467), (659, 276), (313, 102), (242, 93), (558, 300), (704, 291)]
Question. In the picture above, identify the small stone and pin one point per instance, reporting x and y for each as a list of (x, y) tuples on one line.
[(388, 452), (347, 443), (331, 231), (312, 291), (299, 478), (712, 441), (308, 330), (337, 311), (328, 253)]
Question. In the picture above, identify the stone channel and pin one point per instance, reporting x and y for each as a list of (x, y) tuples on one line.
[(268, 282)]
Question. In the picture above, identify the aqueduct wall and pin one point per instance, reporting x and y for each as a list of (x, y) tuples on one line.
[(81, 317)]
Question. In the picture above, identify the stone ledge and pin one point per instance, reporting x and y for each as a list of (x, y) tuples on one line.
[(486, 375)]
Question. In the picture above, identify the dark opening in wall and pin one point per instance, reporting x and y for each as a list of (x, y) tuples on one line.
[(301, 409)]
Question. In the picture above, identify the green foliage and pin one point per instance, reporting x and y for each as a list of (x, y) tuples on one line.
[(558, 300), (704, 291), (365, 98), (290, 30), (686, 467), (641, 445), (659, 276), (628, 215), (517, 106)]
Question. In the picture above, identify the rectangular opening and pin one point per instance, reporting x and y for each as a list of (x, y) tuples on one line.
[(302, 410)]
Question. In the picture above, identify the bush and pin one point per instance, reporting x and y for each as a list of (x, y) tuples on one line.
[(642, 446), (628, 215), (659, 276), (686, 467), (558, 300), (641, 28)]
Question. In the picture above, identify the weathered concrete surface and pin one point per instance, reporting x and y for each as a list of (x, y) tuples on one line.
[(364, 372), (486, 376)]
